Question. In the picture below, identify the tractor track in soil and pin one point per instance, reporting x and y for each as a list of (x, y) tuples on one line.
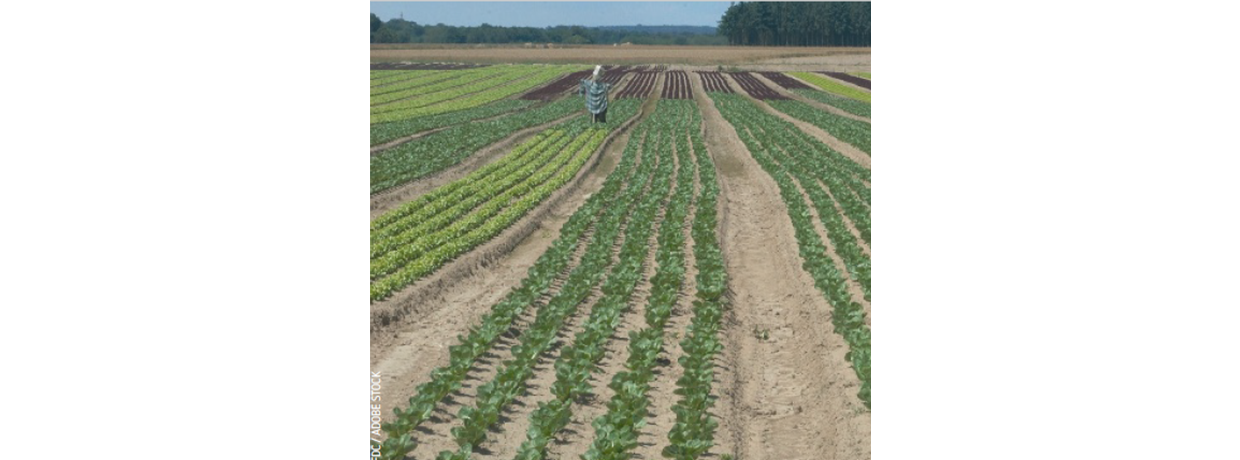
[(792, 396)]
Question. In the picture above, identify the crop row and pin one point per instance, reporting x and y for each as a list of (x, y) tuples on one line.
[(598, 214), (769, 141), (578, 361), (755, 87), (714, 82), (693, 432), (790, 155), (453, 101), (494, 204), (832, 86), (845, 179), (639, 87), (557, 88), (382, 73), (614, 74), (849, 78), (676, 86), (393, 76), (427, 95), (386, 132), (434, 152), (854, 132), (426, 82), (416, 239), (853, 106), (496, 395), (616, 431), (422, 66), (620, 217), (784, 80)]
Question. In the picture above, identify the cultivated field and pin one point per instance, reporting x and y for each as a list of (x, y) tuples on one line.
[(690, 279)]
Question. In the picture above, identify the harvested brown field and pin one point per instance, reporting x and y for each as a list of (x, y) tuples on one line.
[(765, 58)]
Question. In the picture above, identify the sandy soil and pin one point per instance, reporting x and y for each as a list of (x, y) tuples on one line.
[(791, 396)]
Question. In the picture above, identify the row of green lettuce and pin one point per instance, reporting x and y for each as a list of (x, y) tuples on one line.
[(451, 95), (417, 238)]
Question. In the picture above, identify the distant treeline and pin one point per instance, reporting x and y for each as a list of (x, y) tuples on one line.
[(402, 31), (797, 24)]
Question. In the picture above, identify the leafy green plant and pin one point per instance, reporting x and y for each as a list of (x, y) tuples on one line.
[(832, 86), (459, 97), (381, 133), (761, 334), (852, 131), (853, 106)]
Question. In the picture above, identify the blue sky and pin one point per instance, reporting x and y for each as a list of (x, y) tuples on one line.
[(543, 14)]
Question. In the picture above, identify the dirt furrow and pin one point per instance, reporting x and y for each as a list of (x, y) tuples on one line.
[(790, 394)]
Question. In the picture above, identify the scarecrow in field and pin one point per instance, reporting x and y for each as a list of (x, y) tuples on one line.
[(596, 95)]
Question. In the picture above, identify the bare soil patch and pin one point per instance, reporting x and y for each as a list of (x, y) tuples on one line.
[(828, 58)]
